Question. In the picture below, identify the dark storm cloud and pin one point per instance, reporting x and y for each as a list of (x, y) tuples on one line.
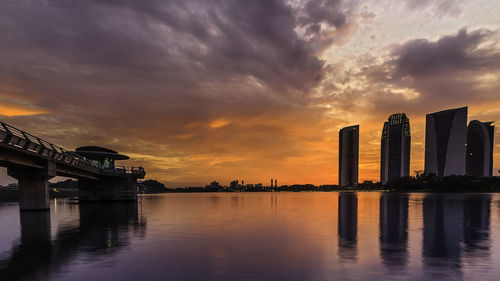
[(328, 11), (151, 76), (172, 47), (457, 52)]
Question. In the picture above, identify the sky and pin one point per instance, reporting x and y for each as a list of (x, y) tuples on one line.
[(202, 90)]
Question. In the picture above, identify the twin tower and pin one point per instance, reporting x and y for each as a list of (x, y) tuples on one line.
[(451, 148)]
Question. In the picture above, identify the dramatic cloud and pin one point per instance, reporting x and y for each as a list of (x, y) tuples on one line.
[(196, 90), (196, 83), (451, 53)]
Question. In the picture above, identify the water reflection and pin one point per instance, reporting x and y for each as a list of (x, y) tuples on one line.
[(455, 225), (348, 225), (103, 229), (394, 229), (443, 228), (477, 223), (279, 236)]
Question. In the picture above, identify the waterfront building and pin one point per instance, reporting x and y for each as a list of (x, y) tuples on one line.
[(395, 148), (348, 156), (445, 138), (479, 159)]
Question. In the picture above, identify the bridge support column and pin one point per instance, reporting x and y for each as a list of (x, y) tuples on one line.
[(33, 186)]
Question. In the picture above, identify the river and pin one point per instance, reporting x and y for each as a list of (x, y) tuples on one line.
[(257, 236)]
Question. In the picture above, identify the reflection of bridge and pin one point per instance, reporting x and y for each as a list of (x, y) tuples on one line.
[(33, 161), (103, 229)]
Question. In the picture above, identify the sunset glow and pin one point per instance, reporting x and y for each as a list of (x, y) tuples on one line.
[(198, 90)]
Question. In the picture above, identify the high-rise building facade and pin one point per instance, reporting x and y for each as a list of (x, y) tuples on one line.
[(479, 159), (395, 148), (348, 156), (445, 138)]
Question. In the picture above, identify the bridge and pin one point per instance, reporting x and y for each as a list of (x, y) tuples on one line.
[(34, 161)]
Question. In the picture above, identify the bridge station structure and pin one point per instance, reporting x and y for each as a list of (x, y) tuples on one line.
[(34, 161)]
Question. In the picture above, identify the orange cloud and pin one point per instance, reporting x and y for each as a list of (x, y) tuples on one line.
[(10, 110)]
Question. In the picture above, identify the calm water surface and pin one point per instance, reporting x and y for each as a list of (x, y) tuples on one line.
[(257, 236)]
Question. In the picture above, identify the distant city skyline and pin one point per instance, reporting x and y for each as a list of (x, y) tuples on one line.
[(196, 91)]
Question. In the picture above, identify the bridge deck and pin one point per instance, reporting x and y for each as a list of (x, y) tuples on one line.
[(18, 141)]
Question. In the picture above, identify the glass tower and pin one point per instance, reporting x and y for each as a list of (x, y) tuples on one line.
[(348, 156), (395, 148), (480, 137), (445, 137)]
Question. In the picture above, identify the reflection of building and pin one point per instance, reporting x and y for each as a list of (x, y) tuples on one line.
[(445, 136), (480, 137), (477, 223), (348, 156), (395, 148), (443, 232), (348, 224), (394, 228), (453, 222)]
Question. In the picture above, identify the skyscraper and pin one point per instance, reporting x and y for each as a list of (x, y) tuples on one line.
[(445, 136), (395, 148), (348, 156), (480, 137)]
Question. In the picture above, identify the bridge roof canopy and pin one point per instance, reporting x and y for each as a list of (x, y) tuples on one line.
[(99, 153)]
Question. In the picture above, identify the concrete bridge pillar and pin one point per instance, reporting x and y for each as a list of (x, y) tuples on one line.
[(33, 186)]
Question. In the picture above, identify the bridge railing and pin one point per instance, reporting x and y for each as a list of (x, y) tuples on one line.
[(15, 137)]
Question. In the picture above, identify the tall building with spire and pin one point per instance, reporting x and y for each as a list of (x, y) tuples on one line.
[(395, 148), (445, 138), (479, 159), (348, 156)]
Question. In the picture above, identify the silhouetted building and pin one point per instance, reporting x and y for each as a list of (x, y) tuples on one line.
[(394, 229), (348, 156), (271, 182), (480, 138), (213, 186), (275, 182), (445, 137), (395, 148), (234, 184), (348, 224), (104, 157)]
